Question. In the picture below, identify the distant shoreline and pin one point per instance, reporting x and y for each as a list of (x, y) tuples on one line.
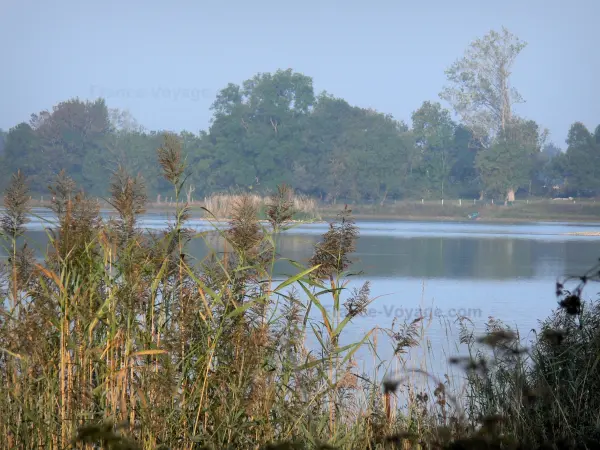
[(585, 233), (438, 219), (520, 213), (520, 220)]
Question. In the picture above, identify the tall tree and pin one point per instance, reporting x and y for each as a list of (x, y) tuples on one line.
[(480, 91), (354, 153), (545, 176), (136, 152)]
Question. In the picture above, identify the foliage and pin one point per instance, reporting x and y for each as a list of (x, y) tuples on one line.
[(550, 391), (579, 167), (434, 133), (479, 90), (508, 164), (273, 129), (2, 140), (116, 338)]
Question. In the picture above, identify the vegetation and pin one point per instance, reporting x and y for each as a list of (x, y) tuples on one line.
[(274, 129), (119, 339), (522, 210), (547, 393), (278, 209)]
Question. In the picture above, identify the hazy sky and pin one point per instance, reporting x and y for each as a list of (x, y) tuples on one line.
[(165, 61)]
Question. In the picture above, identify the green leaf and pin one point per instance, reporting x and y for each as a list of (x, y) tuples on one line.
[(334, 352), (241, 309), (295, 278), (357, 346), (318, 304)]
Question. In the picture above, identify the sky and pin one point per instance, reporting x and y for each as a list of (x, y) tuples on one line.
[(166, 61)]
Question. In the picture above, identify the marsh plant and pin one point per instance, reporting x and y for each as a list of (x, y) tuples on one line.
[(547, 392), (279, 208), (118, 338)]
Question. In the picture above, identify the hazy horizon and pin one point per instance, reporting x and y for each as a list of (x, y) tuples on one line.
[(165, 63)]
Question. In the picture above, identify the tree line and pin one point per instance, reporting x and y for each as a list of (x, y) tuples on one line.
[(274, 128)]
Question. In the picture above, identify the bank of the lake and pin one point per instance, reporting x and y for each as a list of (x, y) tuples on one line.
[(522, 211), (454, 210)]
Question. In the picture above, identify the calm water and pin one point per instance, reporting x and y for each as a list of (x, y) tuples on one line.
[(473, 269)]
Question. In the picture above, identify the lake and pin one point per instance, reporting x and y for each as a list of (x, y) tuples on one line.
[(442, 270)]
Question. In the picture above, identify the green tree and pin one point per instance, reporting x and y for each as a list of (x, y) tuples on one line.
[(480, 90), (321, 168), (356, 153), (545, 178), (257, 128), (135, 151), (551, 150), (434, 134), (481, 94), (582, 168), (73, 137), (464, 174), (509, 163), (3, 135), (22, 152), (200, 159)]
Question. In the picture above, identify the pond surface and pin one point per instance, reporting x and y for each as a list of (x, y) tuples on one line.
[(440, 270)]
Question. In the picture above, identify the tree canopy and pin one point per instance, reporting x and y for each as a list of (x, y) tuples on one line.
[(274, 129)]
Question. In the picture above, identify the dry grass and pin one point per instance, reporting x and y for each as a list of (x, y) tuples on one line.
[(221, 205)]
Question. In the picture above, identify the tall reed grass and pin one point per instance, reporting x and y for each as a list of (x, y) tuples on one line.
[(120, 339), (300, 206), (121, 332)]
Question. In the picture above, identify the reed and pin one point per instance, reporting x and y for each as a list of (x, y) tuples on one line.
[(120, 339), (120, 332), (296, 205)]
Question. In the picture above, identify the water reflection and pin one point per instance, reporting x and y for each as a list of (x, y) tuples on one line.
[(427, 257)]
